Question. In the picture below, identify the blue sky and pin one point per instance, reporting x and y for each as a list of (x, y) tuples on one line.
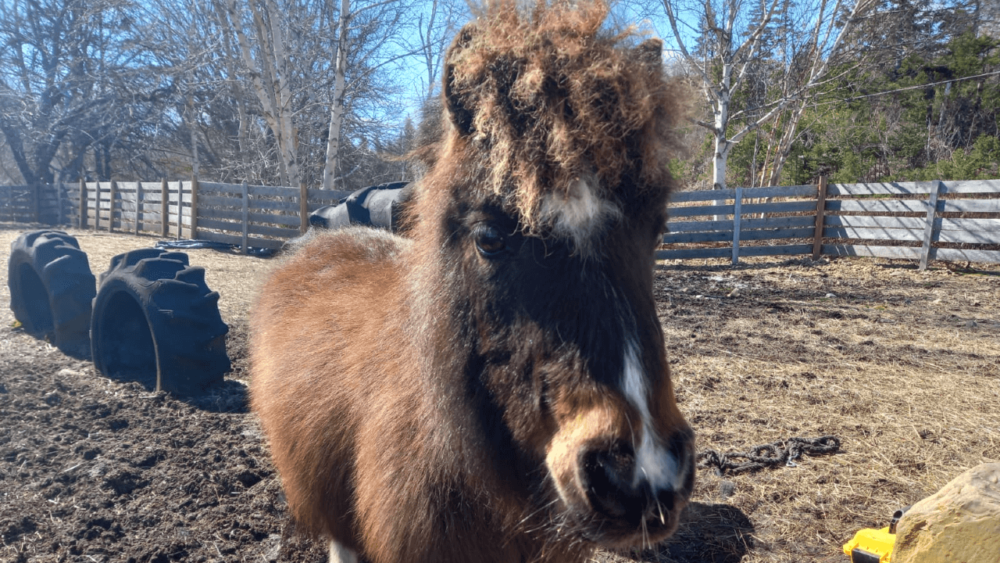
[(652, 22)]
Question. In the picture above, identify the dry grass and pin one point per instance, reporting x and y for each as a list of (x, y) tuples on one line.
[(903, 366)]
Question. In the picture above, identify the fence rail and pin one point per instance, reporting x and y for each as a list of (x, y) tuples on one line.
[(258, 216), (938, 220)]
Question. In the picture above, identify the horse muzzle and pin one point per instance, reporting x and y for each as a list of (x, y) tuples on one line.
[(628, 508)]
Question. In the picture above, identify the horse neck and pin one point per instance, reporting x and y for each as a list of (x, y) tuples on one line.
[(448, 366)]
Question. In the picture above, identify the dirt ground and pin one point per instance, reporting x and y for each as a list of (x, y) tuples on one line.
[(902, 366)]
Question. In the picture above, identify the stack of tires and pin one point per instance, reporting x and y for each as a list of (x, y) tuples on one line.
[(151, 318)]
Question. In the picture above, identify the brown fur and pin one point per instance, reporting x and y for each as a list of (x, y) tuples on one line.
[(310, 410), (350, 438), (426, 402), (555, 99)]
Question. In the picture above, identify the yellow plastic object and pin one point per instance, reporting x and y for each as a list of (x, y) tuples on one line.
[(871, 546)]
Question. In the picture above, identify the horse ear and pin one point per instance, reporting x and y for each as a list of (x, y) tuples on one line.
[(650, 53), (455, 101), (461, 116)]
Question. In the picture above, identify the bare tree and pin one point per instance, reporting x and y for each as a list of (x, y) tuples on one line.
[(366, 35), (337, 107), (60, 68), (729, 41), (270, 70), (301, 59), (272, 91), (435, 28)]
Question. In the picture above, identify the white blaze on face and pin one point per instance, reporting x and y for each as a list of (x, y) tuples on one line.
[(652, 462), (580, 214)]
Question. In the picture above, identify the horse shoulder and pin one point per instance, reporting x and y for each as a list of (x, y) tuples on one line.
[(326, 344)]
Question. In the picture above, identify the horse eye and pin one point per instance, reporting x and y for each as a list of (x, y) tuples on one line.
[(489, 241)]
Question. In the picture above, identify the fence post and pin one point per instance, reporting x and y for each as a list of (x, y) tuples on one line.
[(83, 204), (246, 215), (303, 208), (737, 212), (820, 218), (164, 209), (194, 206), (180, 209), (926, 250), (36, 209), (59, 204), (138, 207), (97, 206), (111, 209)]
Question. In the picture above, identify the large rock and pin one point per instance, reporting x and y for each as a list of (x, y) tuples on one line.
[(959, 524)]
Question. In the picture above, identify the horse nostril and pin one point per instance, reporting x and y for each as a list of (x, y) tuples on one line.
[(606, 474), (663, 505)]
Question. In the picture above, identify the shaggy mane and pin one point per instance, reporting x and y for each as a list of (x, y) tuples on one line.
[(551, 99)]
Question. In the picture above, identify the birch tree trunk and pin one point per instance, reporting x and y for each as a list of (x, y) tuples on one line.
[(722, 144), (337, 106), (289, 135), (270, 79), (192, 125), (722, 147)]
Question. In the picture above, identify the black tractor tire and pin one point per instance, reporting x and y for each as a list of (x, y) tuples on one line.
[(52, 289), (157, 322), (378, 206)]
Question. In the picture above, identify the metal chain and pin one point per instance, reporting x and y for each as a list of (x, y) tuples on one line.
[(782, 452)]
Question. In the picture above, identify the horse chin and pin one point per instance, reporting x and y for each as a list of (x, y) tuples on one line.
[(625, 537), (610, 533)]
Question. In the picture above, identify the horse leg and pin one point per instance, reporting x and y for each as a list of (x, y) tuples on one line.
[(340, 554)]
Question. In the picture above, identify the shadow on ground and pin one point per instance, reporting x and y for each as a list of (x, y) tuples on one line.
[(708, 533)]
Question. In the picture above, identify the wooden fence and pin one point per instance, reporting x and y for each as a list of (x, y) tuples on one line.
[(939, 220), (260, 216), (249, 216), (30, 204), (135, 207)]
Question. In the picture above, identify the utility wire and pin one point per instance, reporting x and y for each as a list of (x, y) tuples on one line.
[(917, 87), (863, 96)]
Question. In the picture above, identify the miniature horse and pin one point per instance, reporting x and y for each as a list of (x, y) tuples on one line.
[(494, 387)]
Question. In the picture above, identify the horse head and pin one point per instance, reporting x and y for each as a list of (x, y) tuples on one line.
[(535, 229)]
